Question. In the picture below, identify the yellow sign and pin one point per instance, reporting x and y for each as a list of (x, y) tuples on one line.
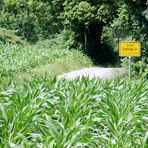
[(130, 49)]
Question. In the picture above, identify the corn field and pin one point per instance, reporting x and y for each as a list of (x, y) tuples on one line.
[(18, 59), (47, 112)]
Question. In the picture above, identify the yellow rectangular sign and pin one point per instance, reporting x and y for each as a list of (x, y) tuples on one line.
[(130, 49)]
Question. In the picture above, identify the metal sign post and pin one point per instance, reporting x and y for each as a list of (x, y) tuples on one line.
[(129, 67), (118, 33), (118, 60)]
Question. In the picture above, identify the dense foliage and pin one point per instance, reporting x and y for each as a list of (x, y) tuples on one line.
[(40, 19), (32, 19), (46, 112), (132, 15)]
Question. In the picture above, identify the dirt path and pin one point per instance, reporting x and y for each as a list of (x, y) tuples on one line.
[(103, 73)]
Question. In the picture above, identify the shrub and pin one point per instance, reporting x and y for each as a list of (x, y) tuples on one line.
[(9, 36), (31, 19)]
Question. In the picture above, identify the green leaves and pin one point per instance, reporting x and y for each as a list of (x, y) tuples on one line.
[(57, 113), (81, 12), (16, 59), (31, 19), (84, 12)]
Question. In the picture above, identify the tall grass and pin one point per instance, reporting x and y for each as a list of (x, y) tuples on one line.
[(46, 112)]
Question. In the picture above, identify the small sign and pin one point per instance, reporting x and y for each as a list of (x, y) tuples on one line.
[(118, 32), (130, 49)]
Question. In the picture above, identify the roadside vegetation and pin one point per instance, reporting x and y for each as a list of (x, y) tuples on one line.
[(42, 39), (38, 59), (16, 58)]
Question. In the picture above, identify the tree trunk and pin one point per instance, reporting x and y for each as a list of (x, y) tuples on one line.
[(92, 40)]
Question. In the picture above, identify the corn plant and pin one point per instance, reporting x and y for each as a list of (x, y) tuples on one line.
[(47, 112), (16, 59)]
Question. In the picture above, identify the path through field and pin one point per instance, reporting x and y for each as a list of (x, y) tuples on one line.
[(103, 73)]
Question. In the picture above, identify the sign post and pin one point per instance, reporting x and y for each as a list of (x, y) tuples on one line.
[(118, 60), (130, 49), (118, 33), (129, 67)]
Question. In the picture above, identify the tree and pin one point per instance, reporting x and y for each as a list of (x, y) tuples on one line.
[(136, 18), (32, 19), (87, 18)]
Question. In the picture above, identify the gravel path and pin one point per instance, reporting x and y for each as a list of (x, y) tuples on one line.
[(103, 73)]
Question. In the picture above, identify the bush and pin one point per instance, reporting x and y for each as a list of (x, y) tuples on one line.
[(31, 19), (9, 36), (46, 112)]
